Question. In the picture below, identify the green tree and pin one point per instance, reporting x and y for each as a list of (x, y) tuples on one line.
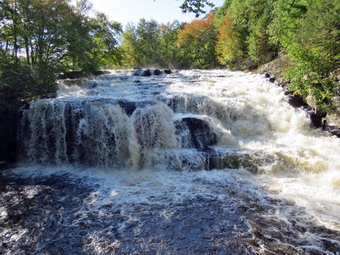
[(129, 48), (32, 34), (196, 6), (172, 56), (314, 50), (220, 14), (141, 44), (38, 39), (286, 18), (153, 44), (148, 42), (260, 49), (93, 42)]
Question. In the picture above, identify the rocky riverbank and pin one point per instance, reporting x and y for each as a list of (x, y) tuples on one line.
[(274, 72)]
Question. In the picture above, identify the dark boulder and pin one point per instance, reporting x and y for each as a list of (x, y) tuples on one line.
[(100, 72), (129, 107), (272, 79), (167, 71), (296, 100), (238, 159), (156, 72), (146, 72), (267, 75), (196, 133), (317, 118)]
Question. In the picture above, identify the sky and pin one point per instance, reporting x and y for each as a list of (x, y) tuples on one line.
[(163, 11)]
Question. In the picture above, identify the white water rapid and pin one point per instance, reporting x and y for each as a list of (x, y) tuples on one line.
[(146, 143)]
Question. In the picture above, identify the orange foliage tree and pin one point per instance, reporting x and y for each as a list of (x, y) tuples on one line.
[(229, 46), (198, 38)]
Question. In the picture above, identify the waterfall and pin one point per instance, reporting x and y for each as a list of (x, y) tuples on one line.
[(184, 121), (117, 122), (194, 161), (190, 120)]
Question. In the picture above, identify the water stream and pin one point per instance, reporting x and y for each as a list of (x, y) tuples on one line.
[(194, 162)]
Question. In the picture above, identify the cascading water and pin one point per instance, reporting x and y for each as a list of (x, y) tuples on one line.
[(277, 189), (131, 128)]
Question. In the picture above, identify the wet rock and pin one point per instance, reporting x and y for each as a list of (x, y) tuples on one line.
[(272, 79), (334, 130), (146, 73), (266, 74), (195, 133), (99, 72), (129, 107), (296, 101), (156, 72), (71, 82), (253, 162), (317, 118), (92, 84), (149, 72)]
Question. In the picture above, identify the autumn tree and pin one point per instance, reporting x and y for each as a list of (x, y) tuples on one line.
[(198, 38), (229, 45)]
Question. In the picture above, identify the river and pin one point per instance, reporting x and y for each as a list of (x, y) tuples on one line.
[(193, 162)]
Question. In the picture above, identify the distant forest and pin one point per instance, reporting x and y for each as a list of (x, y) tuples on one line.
[(41, 38)]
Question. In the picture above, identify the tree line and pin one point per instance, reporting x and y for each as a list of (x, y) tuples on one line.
[(244, 34), (40, 38)]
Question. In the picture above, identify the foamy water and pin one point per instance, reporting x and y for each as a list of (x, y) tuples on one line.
[(254, 115), (290, 172)]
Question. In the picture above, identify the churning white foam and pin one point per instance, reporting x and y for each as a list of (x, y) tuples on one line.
[(247, 111)]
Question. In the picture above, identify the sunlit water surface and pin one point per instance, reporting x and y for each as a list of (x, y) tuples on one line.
[(111, 168)]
